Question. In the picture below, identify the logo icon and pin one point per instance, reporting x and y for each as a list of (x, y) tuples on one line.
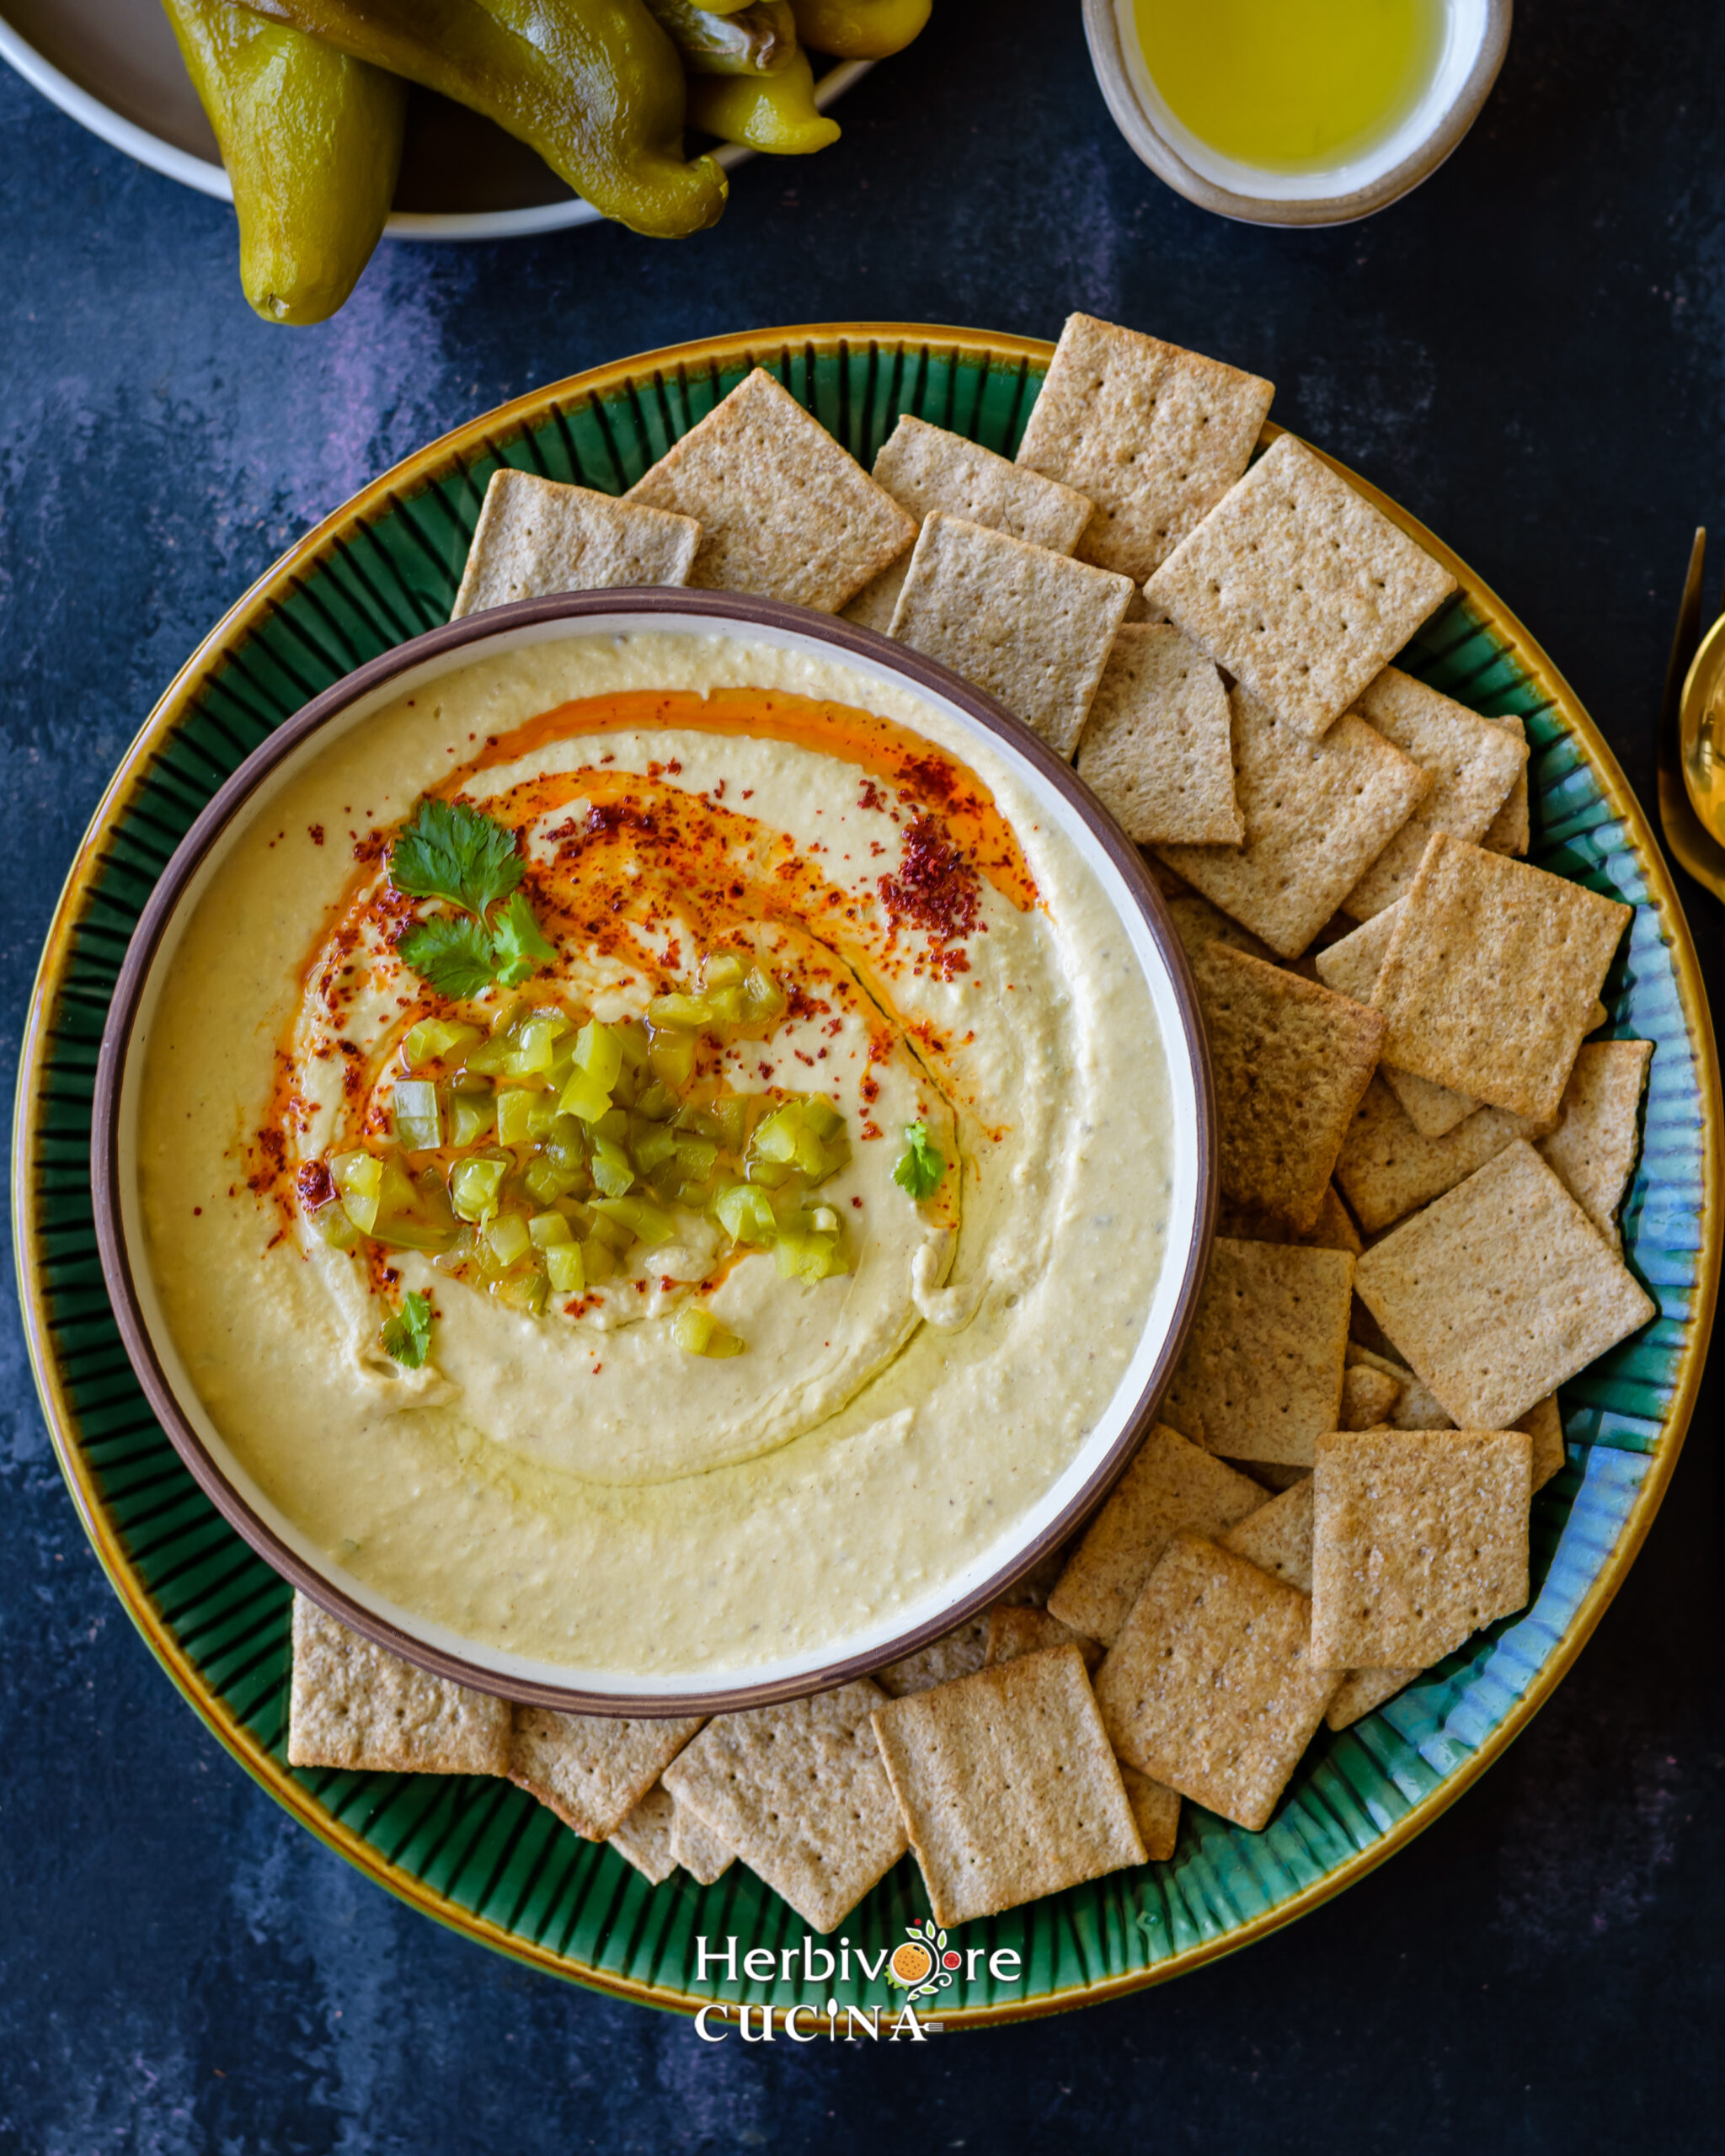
[(925, 1964)]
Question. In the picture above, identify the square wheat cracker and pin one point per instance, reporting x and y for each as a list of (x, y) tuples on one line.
[(1510, 830), (954, 1654), (1290, 1062), (1277, 1538), (1317, 814), (1033, 628), (1156, 1807), (592, 1769), (643, 1838), (1387, 1169), (698, 1848), (1351, 966), (1474, 766), (1420, 1538), (800, 1793), (1595, 1143), (1007, 1786), (353, 1704), (1170, 1484), (1015, 1629), (1153, 435), (1499, 1290), (1416, 1408), (1158, 750), (784, 510), (1492, 975), (1361, 1690), (536, 536), (1368, 1398), (924, 467), (1297, 585), (1260, 1375), (1197, 922), (1211, 1687)]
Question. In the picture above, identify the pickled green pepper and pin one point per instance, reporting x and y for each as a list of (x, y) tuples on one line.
[(859, 29), (594, 86), (311, 140)]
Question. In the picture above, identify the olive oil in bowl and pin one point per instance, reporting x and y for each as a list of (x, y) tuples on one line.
[(1292, 86)]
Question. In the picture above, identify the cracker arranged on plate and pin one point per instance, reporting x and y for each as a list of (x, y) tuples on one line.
[(1033, 628), (1290, 1062), (1277, 1537), (1158, 750), (1594, 1147), (1474, 766), (353, 1704), (1301, 589), (800, 1793), (1317, 814), (1350, 965), (926, 468), (1260, 1376), (1510, 830), (1008, 1785), (1014, 1629), (1154, 435), (1387, 1169), (643, 1839), (784, 511), (1156, 1808), (536, 536), (1499, 1290), (1212, 1686), (592, 1769), (1492, 975), (1170, 1484), (953, 1654), (1420, 1538), (698, 1848)]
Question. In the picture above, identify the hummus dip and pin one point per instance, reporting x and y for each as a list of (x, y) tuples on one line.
[(774, 1235)]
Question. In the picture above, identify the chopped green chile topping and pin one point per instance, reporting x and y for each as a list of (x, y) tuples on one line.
[(533, 1159)]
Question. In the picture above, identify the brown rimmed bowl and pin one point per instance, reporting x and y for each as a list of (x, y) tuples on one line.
[(233, 818)]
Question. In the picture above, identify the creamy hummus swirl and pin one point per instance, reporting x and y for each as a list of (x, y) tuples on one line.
[(565, 1482)]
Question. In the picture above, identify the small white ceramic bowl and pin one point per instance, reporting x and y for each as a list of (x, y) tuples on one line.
[(233, 814), (1477, 36)]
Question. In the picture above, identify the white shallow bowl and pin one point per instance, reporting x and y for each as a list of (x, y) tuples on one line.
[(113, 66), (225, 824), (1475, 37)]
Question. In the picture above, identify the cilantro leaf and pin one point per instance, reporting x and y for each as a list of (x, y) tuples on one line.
[(920, 1165), (407, 1337), (517, 948), (453, 852), (452, 951)]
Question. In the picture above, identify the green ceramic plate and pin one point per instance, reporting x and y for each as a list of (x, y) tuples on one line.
[(480, 1855)]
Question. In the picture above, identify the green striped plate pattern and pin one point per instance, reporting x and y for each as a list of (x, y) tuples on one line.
[(481, 1853)]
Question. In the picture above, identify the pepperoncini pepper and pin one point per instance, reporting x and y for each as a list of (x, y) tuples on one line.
[(859, 29), (753, 40), (775, 113), (311, 140), (594, 86)]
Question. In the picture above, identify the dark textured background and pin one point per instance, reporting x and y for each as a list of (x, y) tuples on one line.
[(1530, 353)]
